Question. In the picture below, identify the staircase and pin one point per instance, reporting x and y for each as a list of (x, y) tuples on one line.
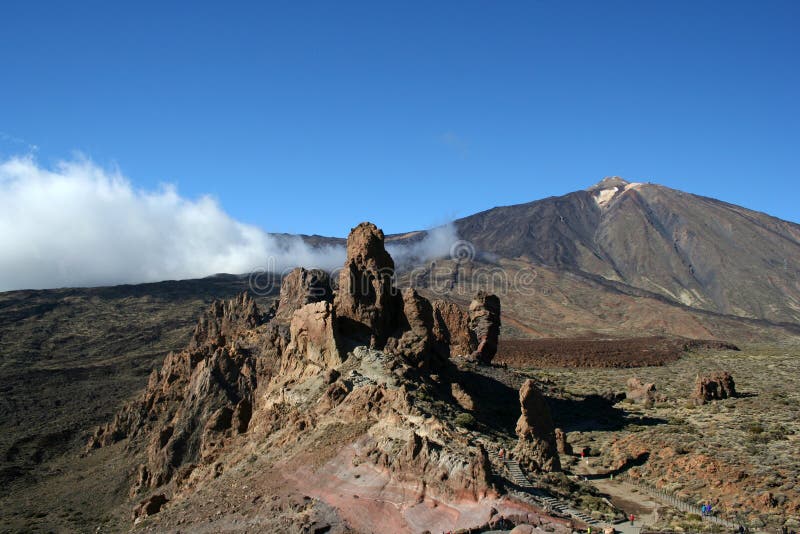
[(550, 503)]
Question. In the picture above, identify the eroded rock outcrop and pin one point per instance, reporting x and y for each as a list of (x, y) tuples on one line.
[(151, 505), (313, 341), (484, 320), (304, 376), (452, 334), (466, 475), (415, 330), (716, 386), (199, 398), (562, 445), (301, 287), (225, 319), (536, 448), (367, 306)]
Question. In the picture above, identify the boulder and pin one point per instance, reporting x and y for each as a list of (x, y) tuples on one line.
[(536, 448), (151, 505), (484, 320), (715, 386), (461, 396), (642, 392)]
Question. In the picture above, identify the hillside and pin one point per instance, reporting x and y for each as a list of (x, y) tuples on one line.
[(693, 250)]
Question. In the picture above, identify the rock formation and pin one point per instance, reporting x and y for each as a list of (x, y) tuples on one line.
[(224, 320), (716, 386), (367, 306), (151, 505), (562, 445), (451, 330), (301, 287), (200, 397), (414, 335), (537, 448), (484, 320), (280, 379), (642, 393), (313, 339)]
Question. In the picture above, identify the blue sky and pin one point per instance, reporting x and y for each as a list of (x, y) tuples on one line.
[(312, 116)]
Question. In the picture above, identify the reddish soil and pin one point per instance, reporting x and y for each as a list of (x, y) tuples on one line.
[(599, 352)]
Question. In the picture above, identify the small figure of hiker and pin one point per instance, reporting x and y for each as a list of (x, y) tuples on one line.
[(501, 453), (632, 518)]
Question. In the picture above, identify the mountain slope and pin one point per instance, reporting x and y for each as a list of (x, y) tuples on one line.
[(693, 250)]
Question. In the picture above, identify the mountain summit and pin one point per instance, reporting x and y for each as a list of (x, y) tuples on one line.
[(692, 250)]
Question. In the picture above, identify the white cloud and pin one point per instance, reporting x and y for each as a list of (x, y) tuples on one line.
[(436, 243), (78, 224)]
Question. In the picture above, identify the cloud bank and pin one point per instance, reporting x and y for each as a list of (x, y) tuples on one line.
[(78, 224)]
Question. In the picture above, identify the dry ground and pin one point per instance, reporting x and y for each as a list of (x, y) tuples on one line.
[(740, 453)]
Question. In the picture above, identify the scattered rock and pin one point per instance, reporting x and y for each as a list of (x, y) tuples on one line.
[(716, 386)]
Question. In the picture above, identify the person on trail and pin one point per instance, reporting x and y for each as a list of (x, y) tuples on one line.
[(502, 451), (632, 517)]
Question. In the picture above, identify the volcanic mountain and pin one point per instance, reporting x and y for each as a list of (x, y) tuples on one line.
[(692, 250)]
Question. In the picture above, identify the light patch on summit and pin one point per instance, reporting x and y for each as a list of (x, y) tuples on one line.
[(604, 196), (632, 185)]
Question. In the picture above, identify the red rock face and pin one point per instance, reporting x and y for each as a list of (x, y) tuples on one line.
[(716, 386), (536, 448)]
